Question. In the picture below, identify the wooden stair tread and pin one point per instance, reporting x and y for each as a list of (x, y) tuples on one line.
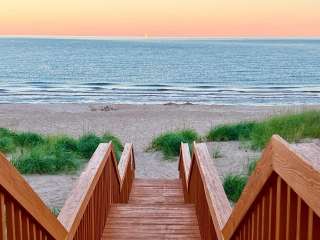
[(156, 210), (148, 191)]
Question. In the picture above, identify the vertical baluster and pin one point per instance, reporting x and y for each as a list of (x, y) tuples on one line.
[(2, 217), (10, 220), (316, 227), (310, 224), (273, 209), (281, 215), (298, 218), (25, 226), (304, 220)]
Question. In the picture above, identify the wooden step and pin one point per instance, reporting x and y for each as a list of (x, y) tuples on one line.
[(156, 191), (156, 221), (156, 210)]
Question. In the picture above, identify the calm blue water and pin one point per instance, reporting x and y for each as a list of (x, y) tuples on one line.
[(258, 72)]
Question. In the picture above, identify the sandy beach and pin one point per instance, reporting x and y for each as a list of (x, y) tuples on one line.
[(138, 124)]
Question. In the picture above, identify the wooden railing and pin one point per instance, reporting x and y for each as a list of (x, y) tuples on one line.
[(203, 187), (85, 212), (23, 216), (280, 201)]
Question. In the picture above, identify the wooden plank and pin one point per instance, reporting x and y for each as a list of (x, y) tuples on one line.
[(281, 209), (310, 224), (162, 221), (126, 156), (217, 200), (75, 206), (185, 160), (20, 190), (298, 172)]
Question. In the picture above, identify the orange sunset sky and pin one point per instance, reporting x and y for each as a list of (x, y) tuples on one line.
[(160, 17)]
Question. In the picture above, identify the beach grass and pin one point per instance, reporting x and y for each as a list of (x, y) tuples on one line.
[(169, 143), (33, 153), (291, 127), (233, 186)]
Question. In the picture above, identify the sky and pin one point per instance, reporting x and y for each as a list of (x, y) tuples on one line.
[(164, 18)]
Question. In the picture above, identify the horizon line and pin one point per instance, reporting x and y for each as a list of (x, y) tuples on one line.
[(182, 37)]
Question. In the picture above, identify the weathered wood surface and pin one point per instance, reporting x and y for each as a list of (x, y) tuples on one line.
[(23, 215), (203, 187), (156, 210)]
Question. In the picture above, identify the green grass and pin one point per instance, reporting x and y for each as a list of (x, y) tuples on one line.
[(117, 145), (88, 143), (169, 143), (34, 153), (233, 186), (7, 144), (231, 132), (291, 127), (28, 139)]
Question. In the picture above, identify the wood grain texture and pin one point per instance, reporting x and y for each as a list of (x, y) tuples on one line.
[(85, 212), (20, 201), (299, 171), (286, 183), (155, 210), (203, 188)]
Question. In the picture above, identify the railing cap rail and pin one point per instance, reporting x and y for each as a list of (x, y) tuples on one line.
[(291, 166), (13, 183), (74, 208)]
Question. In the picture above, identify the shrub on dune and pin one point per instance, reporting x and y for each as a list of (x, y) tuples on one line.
[(87, 144), (233, 186), (292, 127), (6, 145), (46, 159), (29, 139), (117, 145), (231, 132), (169, 143)]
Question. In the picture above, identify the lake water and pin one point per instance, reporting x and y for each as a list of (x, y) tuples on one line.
[(210, 71)]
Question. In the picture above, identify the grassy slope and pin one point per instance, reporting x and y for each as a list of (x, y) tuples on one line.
[(34, 153), (292, 127), (169, 143)]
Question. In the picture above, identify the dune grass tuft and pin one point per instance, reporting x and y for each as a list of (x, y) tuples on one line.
[(169, 143), (29, 139), (117, 145), (46, 159), (34, 153), (292, 127), (231, 132), (7, 144), (233, 186), (87, 144)]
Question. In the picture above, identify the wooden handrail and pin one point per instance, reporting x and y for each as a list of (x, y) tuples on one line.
[(23, 215), (280, 201), (203, 187), (101, 184)]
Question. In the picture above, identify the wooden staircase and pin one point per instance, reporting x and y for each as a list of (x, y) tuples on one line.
[(155, 210), (280, 200)]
